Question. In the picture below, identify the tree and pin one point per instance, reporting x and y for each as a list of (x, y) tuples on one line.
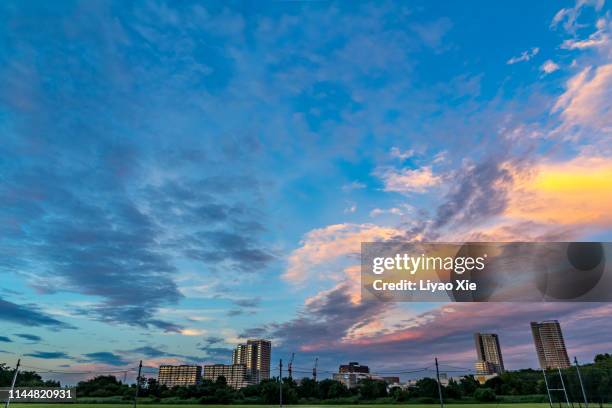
[(452, 390), (427, 387), (372, 389), (468, 385), (484, 395), (308, 388)]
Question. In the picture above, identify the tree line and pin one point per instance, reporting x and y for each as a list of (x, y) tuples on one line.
[(512, 386)]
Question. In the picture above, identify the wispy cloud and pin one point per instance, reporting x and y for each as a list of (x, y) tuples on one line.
[(408, 180), (28, 315), (49, 355), (525, 56)]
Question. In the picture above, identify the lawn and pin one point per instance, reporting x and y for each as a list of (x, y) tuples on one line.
[(520, 405)]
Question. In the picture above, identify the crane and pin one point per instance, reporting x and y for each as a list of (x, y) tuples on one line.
[(290, 366)]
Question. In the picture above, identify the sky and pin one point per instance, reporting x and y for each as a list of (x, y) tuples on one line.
[(177, 177)]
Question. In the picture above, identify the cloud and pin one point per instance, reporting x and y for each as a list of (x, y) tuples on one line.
[(398, 154), (214, 351), (324, 320), (321, 248), (28, 315), (598, 39), (192, 332), (548, 67), (479, 191), (48, 355), (249, 302), (354, 185), (153, 352), (569, 16), (587, 100), (351, 209), (525, 56), (408, 180), (575, 192), (5, 339), (105, 357), (30, 337)]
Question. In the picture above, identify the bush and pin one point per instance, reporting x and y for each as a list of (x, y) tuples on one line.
[(484, 395)]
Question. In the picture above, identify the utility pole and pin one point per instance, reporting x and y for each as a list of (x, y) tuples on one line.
[(563, 385), (586, 401), (314, 369), (8, 400), (439, 385), (290, 366), (137, 383), (280, 382)]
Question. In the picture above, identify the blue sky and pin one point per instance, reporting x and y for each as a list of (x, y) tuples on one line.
[(176, 177)]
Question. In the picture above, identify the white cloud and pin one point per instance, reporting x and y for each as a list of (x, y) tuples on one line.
[(525, 56), (399, 211), (322, 249), (570, 15), (548, 67), (398, 154), (587, 100), (408, 180), (600, 38), (440, 156)]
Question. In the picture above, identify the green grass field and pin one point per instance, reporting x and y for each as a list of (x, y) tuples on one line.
[(300, 406)]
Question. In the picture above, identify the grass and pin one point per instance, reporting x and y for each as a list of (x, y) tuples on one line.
[(494, 405)]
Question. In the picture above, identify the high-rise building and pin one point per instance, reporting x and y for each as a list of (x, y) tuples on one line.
[(236, 375), (549, 344), (182, 375), (255, 355), (490, 360)]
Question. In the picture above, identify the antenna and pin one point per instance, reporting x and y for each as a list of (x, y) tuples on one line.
[(314, 369)]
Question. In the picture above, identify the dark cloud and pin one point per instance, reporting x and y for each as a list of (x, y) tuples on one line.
[(153, 352), (234, 312), (5, 339), (30, 337), (214, 353), (253, 302), (105, 357), (28, 315), (213, 340), (478, 193), (48, 355), (323, 321)]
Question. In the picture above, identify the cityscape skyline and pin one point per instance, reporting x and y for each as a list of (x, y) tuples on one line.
[(548, 345), (179, 177)]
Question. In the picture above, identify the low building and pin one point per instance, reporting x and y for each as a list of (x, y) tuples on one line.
[(350, 374), (351, 380), (181, 375), (391, 380), (236, 375), (354, 367)]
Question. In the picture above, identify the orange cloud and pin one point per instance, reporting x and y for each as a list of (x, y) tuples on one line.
[(577, 192)]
